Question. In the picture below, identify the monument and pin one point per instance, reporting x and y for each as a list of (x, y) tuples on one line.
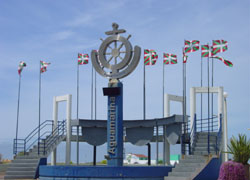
[(115, 60)]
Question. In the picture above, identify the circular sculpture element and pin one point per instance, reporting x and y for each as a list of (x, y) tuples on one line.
[(115, 58)]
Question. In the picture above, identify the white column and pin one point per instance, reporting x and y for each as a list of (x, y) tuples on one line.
[(166, 143), (68, 136), (55, 118), (225, 122), (167, 105), (220, 111), (192, 106)]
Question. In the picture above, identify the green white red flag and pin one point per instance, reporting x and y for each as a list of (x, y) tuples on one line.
[(44, 66), (191, 46), (150, 57), (83, 59), (205, 51), (184, 57), (21, 65), (226, 62), (219, 46), (169, 58)]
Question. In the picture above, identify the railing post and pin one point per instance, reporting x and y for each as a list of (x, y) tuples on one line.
[(14, 148), (195, 125), (208, 137), (216, 145), (38, 150), (44, 146), (24, 147)]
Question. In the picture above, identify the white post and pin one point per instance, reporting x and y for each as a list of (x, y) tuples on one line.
[(167, 114), (167, 99), (192, 106), (225, 123), (55, 118), (220, 111), (167, 105), (68, 136)]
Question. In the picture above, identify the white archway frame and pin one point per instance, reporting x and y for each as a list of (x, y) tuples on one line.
[(166, 146), (221, 110), (56, 100)]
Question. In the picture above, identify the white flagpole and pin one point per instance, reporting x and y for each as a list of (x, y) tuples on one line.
[(208, 96), (77, 117), (201, 93), (95, 119), (144, 92), (39, 117), (18, 101)]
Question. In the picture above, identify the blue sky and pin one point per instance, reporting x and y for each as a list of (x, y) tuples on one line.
[(55, 31)]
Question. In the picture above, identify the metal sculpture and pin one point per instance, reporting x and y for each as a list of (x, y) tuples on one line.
[(116, 58)]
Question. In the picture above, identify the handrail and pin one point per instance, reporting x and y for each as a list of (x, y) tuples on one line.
[(193, 134), (38, 128), (218, 138), (25, 144), (58, 131)]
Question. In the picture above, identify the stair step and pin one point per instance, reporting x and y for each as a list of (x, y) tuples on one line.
[(204, 152), (185, 161), (184, 169), (21, 173), (175, 178), (195, 165), (195, 157), (25, 161), (204, 144), (204, 149), (27, 157), (22, 169), (205, 138), (18, 177), (23, 165), (180, 174)]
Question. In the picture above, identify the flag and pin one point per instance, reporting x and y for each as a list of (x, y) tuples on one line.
[(226, 62), (83, 59), (184, 57), (219, 46), (43, 66), (21, 65), (169, 58), (191, 46), (205, 51), (150, 57), (154, 58)]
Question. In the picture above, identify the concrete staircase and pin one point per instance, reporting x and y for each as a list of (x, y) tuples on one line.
[(25, 166), (192, 165)]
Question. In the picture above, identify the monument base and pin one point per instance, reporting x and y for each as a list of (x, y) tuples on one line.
[(103, 172)]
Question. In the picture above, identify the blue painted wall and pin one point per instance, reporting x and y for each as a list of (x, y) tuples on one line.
[(103, 172), (211, 171)]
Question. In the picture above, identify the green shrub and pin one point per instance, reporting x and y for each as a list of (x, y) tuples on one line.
[(240, 149), (104, 161)]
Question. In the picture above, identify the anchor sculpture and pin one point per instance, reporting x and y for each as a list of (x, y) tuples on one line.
[(114, 60)]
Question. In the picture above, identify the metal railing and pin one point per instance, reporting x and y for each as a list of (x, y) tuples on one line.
[(23, 146), (55, 135), (209, 126)]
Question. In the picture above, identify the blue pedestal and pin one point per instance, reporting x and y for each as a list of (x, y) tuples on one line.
[(115, 124)]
